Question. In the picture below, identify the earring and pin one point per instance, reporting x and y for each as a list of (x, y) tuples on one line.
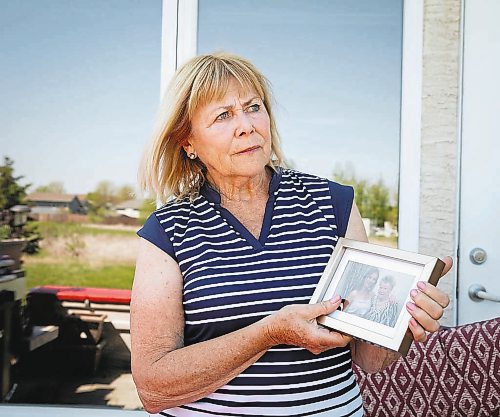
[(192, 155)]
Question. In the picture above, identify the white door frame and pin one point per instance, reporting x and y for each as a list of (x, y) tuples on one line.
[(411, 120), (179, 36), (179, 42)]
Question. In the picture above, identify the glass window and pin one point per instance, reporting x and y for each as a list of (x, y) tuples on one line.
[(335, 67), (80, 83)]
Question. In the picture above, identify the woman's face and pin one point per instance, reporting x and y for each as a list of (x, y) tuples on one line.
[(371, 281), (232, 137), (384, 290)]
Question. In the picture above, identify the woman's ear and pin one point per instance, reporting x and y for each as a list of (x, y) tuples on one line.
[(189, 149)]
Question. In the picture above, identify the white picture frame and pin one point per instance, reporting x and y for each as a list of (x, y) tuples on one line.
[(374, 282)]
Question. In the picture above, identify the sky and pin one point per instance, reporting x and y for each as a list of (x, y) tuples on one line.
[(80, 85), (335, 67), (80, 82)]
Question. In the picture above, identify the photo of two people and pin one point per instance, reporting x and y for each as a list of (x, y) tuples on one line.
[(374, 293)]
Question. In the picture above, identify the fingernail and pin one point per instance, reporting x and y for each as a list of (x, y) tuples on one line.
[(410, 306), (421, 285), (413, 293), (336, 299), (413, 322)]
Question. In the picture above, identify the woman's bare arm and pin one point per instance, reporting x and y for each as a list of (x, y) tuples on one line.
[(167, 373)]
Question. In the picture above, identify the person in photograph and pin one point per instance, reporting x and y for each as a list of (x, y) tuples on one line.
[(359, 300), (384, 308), (220, 320)]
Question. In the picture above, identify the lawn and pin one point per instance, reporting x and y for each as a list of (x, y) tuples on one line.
[(391, 242), (62, 229), (80, 275), (83, 255)]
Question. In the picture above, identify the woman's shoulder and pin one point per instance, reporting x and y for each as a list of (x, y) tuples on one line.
[(171, 205), (161, 224), (175, 206), (334, 185), (290, 172), (171, 212), (341, 196)]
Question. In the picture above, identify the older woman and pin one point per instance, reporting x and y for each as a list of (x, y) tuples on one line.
[(384, 308), (220, 323)]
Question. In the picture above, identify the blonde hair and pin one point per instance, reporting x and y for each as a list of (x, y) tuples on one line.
[(166, 170)]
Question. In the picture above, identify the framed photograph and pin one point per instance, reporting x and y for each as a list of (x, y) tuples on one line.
[(375, 283)]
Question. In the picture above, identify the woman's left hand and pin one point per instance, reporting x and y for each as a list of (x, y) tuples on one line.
[(427, 306)]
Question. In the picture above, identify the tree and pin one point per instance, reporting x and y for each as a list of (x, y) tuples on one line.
[(378, 202), (106, 191), (347, 175), (100, 200), (371, 199), (53, 187), (11, 193), (394, 210), (105, 195), (124, 193), (147, 207), (361, 196)]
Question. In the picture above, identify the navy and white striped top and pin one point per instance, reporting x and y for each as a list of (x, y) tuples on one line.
[(232, 279)]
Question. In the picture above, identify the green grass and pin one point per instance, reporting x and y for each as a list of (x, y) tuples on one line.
[(47, 268), (62, 229), (81, 275), (391, 242)]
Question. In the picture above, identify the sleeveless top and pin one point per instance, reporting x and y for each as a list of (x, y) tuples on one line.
[(386, 313), (359, 307), (232, 279)]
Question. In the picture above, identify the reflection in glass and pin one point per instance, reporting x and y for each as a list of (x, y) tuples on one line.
[(79, 84), (335, 67)]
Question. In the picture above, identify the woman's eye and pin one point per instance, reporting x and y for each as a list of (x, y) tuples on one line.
[(254, 108), (223, 116)]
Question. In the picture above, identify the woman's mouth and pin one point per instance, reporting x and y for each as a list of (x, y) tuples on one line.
[(248, 150)]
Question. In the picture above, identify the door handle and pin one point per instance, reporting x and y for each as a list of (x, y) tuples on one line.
[(478, 293)]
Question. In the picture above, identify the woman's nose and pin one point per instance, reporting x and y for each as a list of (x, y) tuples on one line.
[(244, 124)]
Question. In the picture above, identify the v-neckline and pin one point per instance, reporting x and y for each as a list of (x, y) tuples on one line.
[(214, 197)]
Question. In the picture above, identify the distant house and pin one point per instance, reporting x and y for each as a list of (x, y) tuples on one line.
[(129, 208), (85, 202), (52, 203)]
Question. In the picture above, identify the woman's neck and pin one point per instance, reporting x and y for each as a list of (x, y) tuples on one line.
[(382, 300), (241, 189)]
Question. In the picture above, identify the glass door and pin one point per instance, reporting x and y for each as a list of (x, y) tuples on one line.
[(335, 68), (347, 77), (336, 71)]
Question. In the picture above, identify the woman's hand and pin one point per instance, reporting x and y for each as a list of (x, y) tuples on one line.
[(427, 306), (296, 325)]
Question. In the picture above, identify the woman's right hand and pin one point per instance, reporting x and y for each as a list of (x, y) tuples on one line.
[(296, 325)]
